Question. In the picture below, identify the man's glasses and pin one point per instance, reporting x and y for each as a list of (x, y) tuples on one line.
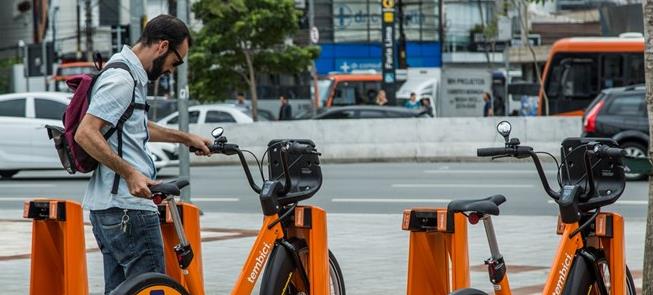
[(180, 60)]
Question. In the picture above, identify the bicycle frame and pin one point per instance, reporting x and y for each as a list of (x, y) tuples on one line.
[(258, 255), (438, 256), (608, 236), (309, 224)]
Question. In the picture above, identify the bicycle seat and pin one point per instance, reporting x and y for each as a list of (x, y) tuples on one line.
[(489, 205), (170, 188), (468, 291)]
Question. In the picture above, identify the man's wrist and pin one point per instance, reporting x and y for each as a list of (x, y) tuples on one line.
[(184, 138)]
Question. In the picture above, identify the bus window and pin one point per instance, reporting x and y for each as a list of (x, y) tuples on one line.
[(634, 70), (611, 71), (578, 78), (324, 89), (371, 90), (345, 94)]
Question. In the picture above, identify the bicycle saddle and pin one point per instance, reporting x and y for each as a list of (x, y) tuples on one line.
[(170, 188), (468, 291), (489, 205)]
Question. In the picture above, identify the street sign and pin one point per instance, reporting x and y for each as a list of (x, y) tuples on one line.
[(315, 35), (388, 48)]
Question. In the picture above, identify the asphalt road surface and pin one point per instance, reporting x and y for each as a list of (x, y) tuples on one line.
[(351, 188)]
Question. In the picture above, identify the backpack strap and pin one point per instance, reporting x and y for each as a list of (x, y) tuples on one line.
[(118, 129)]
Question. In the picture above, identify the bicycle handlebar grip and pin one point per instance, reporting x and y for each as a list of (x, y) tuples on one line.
[(299, 148), (610, 151), (491, 152), (212, 148)]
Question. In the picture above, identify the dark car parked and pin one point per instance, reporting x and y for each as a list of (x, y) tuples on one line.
[(620, 114), (370, 112)]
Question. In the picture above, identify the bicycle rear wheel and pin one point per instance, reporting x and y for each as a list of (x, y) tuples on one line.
[(150, 283), (281, 276)]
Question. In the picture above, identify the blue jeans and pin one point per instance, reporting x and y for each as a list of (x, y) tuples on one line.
[(128, 248)]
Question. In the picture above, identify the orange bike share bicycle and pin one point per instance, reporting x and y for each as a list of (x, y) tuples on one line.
[(590, 258), (290, 250)]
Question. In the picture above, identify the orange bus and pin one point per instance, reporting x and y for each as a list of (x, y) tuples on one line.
[(578, 69), (348, 89)]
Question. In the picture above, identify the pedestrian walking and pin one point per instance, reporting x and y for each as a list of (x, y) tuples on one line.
[(425, 102), (412, 104), (285, 110), (381, 99), (241, 102), (487, 107)]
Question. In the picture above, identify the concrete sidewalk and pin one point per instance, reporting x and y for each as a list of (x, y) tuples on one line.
[(371, 249)]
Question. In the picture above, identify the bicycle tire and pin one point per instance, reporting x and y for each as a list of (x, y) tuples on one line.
[(150, 283), (281, 275), (602, 261)]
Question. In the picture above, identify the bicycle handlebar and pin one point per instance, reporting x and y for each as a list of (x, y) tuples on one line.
[(221, 147), (520, 152), (231, 149), (606, 151)]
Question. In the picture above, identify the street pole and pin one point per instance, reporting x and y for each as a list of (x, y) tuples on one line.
[(182, 106), (506, 97), (402, 35), (316, 90), (137, 11), (79, 31), (44, 63), (441, 25), (23, 47), (89, 31)]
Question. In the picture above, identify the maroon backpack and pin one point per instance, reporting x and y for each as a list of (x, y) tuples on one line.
[(73, 157)]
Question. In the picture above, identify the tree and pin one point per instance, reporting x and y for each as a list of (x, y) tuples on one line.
[(647, 289), (240, 39)]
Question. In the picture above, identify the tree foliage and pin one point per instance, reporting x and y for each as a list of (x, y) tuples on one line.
[(241, 39)]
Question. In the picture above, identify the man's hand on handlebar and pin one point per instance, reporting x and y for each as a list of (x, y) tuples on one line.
[(199, 145)]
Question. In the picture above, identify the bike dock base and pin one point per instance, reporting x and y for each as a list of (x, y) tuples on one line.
[(438, 259), (58, 259)]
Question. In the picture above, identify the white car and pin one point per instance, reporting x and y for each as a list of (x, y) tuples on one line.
[(210, 113), (24, 143)]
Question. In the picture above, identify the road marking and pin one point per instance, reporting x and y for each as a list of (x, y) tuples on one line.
[(214, 199), (462, 185), (376, 200), (624, 202), (25, 185), (445, 171)]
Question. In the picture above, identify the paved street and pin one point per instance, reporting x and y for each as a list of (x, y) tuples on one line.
[(352, 188), (364, 202)]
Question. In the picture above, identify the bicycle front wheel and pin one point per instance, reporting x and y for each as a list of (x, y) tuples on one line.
[(604, 271), (281, 276), (150, 283)]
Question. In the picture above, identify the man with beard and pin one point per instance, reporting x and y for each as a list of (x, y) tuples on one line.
[(125, 221)]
